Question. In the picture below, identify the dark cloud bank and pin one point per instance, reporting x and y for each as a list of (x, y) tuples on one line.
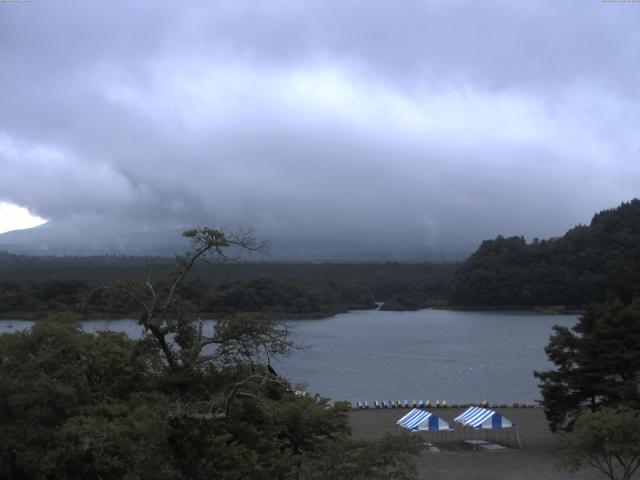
[(411, 127)]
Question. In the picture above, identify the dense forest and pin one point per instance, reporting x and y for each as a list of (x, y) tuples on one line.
[(570, 271), (34, 286)]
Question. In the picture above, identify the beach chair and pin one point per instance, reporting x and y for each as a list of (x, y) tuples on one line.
[(437, 405), (366, 404), (443, 404), (414, 404), (427, 404), (358, 404), (406, 404), (376, 404), (385, 404), (421, 404)]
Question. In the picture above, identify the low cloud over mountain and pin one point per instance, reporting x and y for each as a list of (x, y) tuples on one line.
[(422, 125)]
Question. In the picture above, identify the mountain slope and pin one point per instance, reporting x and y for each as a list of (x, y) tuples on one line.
[(100, 237), (92, 237)]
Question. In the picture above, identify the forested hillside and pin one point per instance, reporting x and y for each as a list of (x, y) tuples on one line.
[(34, 286), (580, 267), (573, 270)]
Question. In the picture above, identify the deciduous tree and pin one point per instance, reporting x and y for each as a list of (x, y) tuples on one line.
[(608, 440), (187, 401)]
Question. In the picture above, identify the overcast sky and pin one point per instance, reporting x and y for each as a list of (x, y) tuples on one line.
[(421, 123)]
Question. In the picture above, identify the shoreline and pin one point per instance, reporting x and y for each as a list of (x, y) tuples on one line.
[(18, 317)]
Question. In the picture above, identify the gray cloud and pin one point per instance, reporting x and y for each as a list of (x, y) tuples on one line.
[(430, 124)]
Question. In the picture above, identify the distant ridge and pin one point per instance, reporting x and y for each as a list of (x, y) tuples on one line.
[(580, 267)]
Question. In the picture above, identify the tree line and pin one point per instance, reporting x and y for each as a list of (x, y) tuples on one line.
[(31, 287), (279, 297)]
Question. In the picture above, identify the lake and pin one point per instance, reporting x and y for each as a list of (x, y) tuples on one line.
[(428, 354)]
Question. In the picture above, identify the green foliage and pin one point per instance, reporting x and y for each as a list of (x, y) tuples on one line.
[(181, 403), (389, 458), (608, 440), (75, 405), (572, 270), (113, 441), (306, 425), (40, 285), (54, 375), (295, 297), (597, 363)]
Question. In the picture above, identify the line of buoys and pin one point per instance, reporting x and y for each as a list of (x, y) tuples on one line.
[(505, 358)]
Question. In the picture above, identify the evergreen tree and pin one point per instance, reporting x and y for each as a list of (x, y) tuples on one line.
[(597, 363)]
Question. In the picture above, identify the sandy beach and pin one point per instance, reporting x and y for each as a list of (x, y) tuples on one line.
[(536, 460)]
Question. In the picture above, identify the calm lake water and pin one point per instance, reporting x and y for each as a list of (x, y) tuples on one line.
[(428, 354)]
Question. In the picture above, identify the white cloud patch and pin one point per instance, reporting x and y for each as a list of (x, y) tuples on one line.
[(14, 217)]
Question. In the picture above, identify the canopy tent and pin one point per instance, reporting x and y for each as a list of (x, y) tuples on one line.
[(478, 417), (422, 420), (483, 418)]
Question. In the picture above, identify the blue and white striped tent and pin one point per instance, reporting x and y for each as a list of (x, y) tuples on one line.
[(478, 417), (424, 421)]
